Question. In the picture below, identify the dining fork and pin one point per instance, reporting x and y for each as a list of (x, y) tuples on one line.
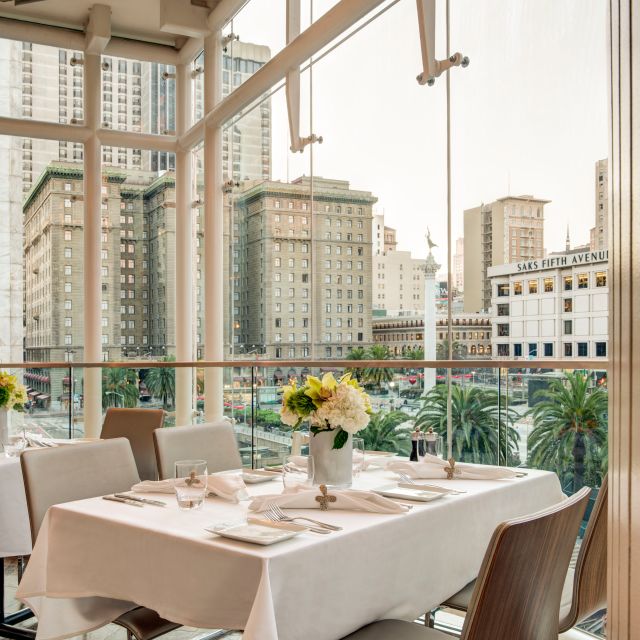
[(269, 515), (277, 511)]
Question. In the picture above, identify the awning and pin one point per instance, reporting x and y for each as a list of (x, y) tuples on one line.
[(33, 393)]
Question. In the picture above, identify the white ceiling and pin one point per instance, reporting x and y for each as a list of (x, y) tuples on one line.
[(139, 19)]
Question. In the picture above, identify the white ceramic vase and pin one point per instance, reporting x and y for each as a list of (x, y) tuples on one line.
[(4, 427), (333, 467)]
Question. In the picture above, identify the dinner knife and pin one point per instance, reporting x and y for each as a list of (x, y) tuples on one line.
[(155, 503), (133, 503)]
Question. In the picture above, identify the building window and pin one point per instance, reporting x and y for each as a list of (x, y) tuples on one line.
[(503, 349), (601, 278), (548, 349), (568, 283), (601, 349), (503, 290), (548, 285), (503, 330), (583, 281), (568, 305), (517, 350), (517, 288), (568, 327), (583, 349), (533, 286), (503, 309), (276, 204), (533, 349), (568, 349)]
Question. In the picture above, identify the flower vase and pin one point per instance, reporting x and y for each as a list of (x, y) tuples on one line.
[(4, 427), (333, 467)]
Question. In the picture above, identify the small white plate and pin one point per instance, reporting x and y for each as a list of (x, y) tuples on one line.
[(257, 531), (396, 491), (255, 476)]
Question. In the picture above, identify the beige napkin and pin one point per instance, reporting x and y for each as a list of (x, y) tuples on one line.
[(434, 467), (346, 499), (228, 486)]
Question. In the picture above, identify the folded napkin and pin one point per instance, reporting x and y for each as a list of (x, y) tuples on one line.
[(434, 467), (346, 499), (298, 463), (228, 486)]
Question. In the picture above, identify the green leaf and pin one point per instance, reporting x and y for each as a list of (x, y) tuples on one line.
[(341, 439)]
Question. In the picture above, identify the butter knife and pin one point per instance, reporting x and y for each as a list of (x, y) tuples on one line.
[(133, 503), (155, 503)]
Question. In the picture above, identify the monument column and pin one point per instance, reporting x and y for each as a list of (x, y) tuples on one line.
[(429, 335)]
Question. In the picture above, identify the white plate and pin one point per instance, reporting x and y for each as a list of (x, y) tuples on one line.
[(255, 476), (380, 454), (427, 487), (396, 491), (262, 532)]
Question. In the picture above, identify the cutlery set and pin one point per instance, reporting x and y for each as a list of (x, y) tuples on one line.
[(134, 501)]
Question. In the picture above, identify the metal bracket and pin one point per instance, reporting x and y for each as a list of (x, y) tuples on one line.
[(432, 68), (228, 39)]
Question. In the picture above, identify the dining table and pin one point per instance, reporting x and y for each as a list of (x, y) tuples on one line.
[(95, 559)]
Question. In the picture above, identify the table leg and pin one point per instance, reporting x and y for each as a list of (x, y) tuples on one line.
[(7, 628)]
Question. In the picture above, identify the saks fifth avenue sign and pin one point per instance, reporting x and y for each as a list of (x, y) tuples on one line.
[(552, 262)]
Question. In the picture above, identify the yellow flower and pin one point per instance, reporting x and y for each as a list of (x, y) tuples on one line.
[(319, 390)]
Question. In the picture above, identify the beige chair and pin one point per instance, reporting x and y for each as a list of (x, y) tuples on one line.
[(137, 426), (585, 587), (74, 472), (215, 443), (518, 590)]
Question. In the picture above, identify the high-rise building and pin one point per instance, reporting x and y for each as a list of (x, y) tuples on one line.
[(600, 232), (508, 230), (304, 280)]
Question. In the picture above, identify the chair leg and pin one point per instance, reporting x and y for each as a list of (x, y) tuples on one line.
[(430, 619)]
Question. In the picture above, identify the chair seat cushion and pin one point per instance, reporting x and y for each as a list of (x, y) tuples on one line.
[(396, 630), (145, 624)]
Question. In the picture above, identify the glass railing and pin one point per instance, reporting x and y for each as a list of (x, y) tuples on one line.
[(535, 416)]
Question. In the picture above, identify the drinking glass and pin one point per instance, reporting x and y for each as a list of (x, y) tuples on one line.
[(358, 456), (297, 471), (16, 445), (191, 483)]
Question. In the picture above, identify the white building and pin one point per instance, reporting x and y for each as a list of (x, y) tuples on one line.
[(555, 307)]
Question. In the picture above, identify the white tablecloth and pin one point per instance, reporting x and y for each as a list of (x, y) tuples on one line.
[(91, 554), (15, 537)]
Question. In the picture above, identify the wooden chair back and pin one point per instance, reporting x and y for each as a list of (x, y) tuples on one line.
[(590, 575), (137, 426), (519, 588), (74, 472)]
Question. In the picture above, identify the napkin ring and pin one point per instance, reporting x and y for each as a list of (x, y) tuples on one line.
[(193, 480), (325, 498), (451, 469)]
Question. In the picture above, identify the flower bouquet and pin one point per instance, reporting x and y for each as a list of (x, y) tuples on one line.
[(335, 410), (13, 395)]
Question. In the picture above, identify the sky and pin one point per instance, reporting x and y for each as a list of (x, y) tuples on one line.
[(528, 116)]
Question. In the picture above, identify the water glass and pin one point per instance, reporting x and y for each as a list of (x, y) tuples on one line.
[(297, 471), (15, 446), (358, 456), (191, 483)]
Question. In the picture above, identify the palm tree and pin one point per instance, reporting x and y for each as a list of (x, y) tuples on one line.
[(161, 383), (386, 433), (482, 430), (119, 388), (376, 376), (357, 353), (417, 353), (570, 430), (458, 350)]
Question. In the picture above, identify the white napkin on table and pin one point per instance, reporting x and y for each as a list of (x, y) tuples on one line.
[(347, 499), (434, 467), (228, 486)]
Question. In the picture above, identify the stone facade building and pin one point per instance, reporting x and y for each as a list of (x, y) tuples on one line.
[(600, 232)]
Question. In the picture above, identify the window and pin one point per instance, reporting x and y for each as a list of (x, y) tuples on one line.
[(517, 288), (503, 290), (568, 283), (583, 349), (67, 322), (601, 280), (67, 338), (517, 350), (533, 286), (533, 349), (67, 269), (568, 305), (568, 349), (503, 309), (548, 349), (67, 235), (548, 285), (568, 327), (601, 349), (276, 204), (503, 349), (503, 330), (583, 281)]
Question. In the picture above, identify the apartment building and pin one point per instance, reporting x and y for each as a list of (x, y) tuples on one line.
[(501, 232), (599, 238), (555, 307), (303, 280)]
